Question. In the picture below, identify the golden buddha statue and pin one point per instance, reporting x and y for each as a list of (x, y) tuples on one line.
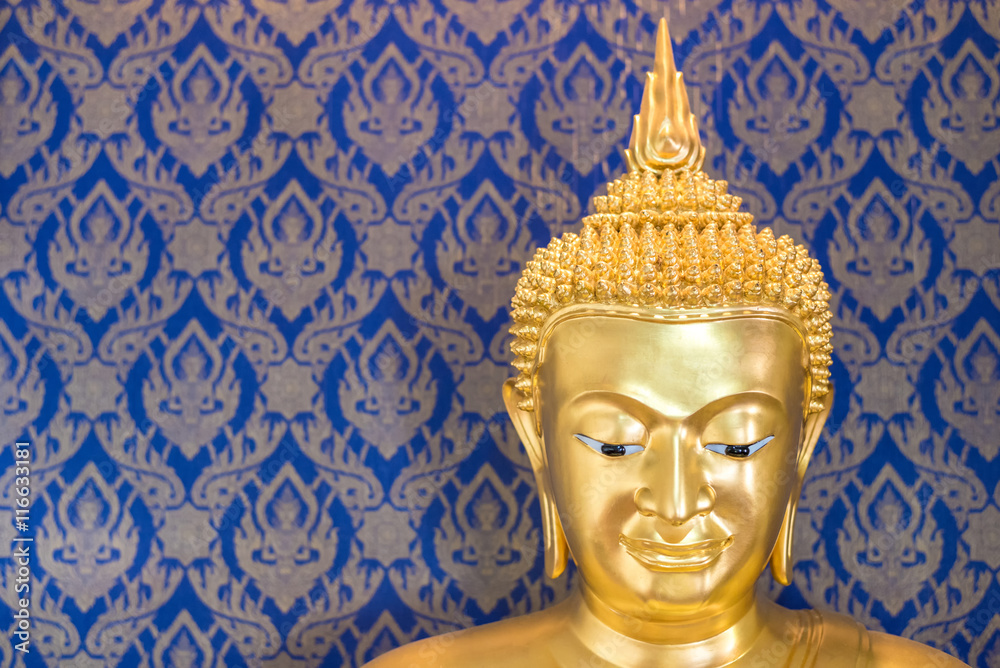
[(671, 486)]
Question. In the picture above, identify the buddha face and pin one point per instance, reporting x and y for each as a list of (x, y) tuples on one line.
[(669, 449)]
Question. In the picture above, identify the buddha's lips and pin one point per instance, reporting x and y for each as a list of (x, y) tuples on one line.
[(658, 556)]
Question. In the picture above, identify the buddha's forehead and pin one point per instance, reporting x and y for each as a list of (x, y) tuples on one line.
[(676, 365)]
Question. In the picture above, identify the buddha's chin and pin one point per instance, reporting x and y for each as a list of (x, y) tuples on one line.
[(677, 595)]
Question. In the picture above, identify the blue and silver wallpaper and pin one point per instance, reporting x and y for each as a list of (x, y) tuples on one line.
[(255, 261)]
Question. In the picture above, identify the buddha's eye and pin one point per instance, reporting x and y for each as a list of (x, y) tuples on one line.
[(738, 451), (609, 449)]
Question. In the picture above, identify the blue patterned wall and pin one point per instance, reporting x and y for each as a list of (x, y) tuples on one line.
[(255, 260)]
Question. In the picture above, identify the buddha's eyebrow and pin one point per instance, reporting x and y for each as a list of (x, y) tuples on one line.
[(640, 408), (630, 404), (723, 404)]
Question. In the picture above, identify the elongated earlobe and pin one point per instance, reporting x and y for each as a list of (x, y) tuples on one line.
[(781, 557), (556, 549), (525, 424)]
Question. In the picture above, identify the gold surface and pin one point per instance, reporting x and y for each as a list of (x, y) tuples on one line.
[(670, 491), (669, 541)]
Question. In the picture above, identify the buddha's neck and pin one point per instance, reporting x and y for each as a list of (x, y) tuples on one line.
[(714, 640)]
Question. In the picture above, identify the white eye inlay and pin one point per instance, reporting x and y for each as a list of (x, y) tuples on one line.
[(738, 451), (609, 449)]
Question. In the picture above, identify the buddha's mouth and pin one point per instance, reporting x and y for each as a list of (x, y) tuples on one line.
[(674, 557)]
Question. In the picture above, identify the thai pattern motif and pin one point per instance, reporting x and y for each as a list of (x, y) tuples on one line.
[(29, 113), (255, 260)]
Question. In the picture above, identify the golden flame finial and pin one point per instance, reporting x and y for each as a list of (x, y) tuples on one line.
[(664, 133)]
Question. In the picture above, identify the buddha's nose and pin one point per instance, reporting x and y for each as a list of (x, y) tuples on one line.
[(681, 493), (678, 505)]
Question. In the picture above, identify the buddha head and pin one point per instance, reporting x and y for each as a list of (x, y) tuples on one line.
[(672, 380)]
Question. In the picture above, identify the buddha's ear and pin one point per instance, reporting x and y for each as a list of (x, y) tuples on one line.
[(781, 557), (811, 429), (526, 426)]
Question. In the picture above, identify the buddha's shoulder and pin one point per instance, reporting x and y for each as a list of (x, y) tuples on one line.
[(840, 631), (895, 651), (519, 641)]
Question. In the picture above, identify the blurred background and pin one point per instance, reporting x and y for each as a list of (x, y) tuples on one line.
[(255, 264)]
